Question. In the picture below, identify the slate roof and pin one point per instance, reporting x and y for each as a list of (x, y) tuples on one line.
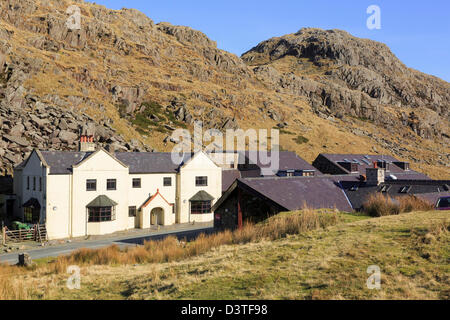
[(150, 162), (202, 196), (228, 177), (292, 193), (32, 203), (363, 165), (433, 197), (102, 201), (61, 162), (288, 160), (360, 192)]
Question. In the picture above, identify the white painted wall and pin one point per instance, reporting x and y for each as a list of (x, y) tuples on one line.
[(199, 165), (100, 166), (64, 197), (58, 206)]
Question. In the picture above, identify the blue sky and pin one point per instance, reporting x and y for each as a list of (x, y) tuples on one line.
[(418, 32)]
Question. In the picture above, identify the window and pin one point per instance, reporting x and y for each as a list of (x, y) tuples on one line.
[(28, 215), (444, 203), (40, 183), (111, 184), (28, 183), (308, 173), (405, 189), (385, 188), (137, 183), (200, 207), (167, 182), (31, 215), (34, 183), (102, 214), (132, 211), (91, 185), (201, 181)]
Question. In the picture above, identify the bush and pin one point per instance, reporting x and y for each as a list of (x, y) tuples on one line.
[(378, 205), (301, 140)]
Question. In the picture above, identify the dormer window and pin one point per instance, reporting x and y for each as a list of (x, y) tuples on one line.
[(405, 189)]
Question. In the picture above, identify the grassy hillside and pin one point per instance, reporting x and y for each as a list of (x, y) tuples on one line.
[(412, 251)]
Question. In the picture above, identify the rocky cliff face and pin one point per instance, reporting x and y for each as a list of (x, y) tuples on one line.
[(346, 76), (136, 81)]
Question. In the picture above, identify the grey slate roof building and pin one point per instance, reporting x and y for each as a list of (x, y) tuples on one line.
[(358, 192), (288, 161), (61, 162), (358, 163), (150, 162), (258, 198)]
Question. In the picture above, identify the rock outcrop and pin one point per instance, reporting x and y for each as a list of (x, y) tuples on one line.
[(344, 75)]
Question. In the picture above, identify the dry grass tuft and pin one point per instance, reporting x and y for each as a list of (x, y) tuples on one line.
[(11, 289), (379, 205), (170, 249)]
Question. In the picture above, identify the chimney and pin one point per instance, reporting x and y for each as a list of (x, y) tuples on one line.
[(374, 176), (87, 143)]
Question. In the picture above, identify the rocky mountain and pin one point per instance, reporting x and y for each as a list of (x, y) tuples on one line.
[(135, 81), (344, 75)]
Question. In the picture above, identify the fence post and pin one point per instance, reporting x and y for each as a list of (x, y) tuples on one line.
[(3, 235)]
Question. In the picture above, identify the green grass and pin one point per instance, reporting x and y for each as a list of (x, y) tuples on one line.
[(144, 124), (301, 139), (411, 249)]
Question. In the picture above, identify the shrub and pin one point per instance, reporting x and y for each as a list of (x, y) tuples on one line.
[(378, 205), (412, 203), (301, 139)]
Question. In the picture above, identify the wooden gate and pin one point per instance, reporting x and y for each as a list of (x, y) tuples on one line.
[(37, 233)]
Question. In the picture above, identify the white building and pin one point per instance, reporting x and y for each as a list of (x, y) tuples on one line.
[(94, 192)]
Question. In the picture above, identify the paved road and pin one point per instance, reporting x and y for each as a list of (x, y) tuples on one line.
[(64, 249)]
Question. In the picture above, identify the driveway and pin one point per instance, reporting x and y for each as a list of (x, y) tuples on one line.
[(189, 232)]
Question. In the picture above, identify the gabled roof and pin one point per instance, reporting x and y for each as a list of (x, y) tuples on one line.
[(61, 162), (102, 201), (32, 203), (292, 193), (202, 196), (39, 155), (146, 203)]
